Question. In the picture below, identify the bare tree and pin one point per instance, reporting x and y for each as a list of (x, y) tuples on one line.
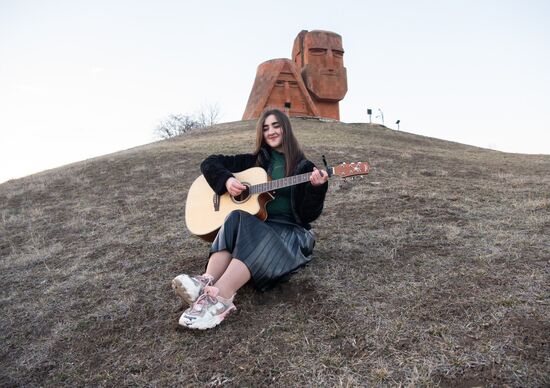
[(178, 124), (209, 114), (175, 125)]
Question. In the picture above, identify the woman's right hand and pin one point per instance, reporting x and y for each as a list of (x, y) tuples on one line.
[(234, 187)]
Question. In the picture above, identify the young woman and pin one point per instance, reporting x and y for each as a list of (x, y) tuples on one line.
[(246, 248)]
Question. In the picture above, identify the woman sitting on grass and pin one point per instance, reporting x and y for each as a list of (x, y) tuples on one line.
[(246, 248)]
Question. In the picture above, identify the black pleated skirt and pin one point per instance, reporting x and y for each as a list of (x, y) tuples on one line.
[(272, 250)]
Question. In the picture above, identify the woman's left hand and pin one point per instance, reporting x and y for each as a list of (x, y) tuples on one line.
[(318, 177)]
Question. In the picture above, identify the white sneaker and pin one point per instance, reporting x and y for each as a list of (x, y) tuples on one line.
[(209, 310), (189, 288)]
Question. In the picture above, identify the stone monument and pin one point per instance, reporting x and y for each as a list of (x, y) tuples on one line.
[(309, 85)]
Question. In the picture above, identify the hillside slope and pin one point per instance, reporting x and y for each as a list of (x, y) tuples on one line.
[(435, 270)]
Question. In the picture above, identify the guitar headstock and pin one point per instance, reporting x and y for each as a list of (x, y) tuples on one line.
[(345, 170)]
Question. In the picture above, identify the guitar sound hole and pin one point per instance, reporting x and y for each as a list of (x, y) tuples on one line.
[(242, 197)]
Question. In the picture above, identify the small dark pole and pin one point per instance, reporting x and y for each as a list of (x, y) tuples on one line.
[(397, 122), (369, 112)]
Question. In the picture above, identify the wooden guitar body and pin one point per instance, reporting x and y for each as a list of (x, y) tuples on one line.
[(203, 218)]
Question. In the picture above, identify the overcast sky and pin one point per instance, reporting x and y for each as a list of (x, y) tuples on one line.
[(84, 78)]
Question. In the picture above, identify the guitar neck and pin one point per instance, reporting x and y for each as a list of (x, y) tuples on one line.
[(280, 183)]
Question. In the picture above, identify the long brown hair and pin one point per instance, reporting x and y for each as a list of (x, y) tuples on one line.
[(291, 148)]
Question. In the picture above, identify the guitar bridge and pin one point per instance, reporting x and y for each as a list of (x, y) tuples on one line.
[(216, 201)]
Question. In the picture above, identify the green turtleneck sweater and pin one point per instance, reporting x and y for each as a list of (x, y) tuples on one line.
[(281, 204)]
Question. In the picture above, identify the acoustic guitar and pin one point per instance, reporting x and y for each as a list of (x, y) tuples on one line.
[(205, 211)]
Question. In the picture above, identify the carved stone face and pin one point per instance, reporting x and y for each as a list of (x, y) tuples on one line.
[(287, 91), (321, 58), (279, 84)]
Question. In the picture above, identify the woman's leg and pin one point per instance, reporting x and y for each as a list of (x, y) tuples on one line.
[(213, 306), (235, 276), (218, 263), (189, 288)]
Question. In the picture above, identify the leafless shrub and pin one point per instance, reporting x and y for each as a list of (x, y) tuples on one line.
[(179, 124), (209, 114), (175, 125)]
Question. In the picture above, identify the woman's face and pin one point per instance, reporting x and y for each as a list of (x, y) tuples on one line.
[(273, 133)]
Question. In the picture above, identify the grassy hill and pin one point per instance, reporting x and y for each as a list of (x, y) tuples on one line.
[(435, 270)]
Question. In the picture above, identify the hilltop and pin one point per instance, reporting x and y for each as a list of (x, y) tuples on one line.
[(432, 271)]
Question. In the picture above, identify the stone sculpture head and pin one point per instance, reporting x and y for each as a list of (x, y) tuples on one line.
[(278, 84), (320, 56)]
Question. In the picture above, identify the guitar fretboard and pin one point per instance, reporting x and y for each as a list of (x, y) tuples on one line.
[(280, 183)]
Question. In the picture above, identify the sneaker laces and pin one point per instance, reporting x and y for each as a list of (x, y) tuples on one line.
[(209, 296), (205, 280)]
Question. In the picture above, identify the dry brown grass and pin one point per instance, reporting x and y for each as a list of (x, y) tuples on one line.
[(434, 271)]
